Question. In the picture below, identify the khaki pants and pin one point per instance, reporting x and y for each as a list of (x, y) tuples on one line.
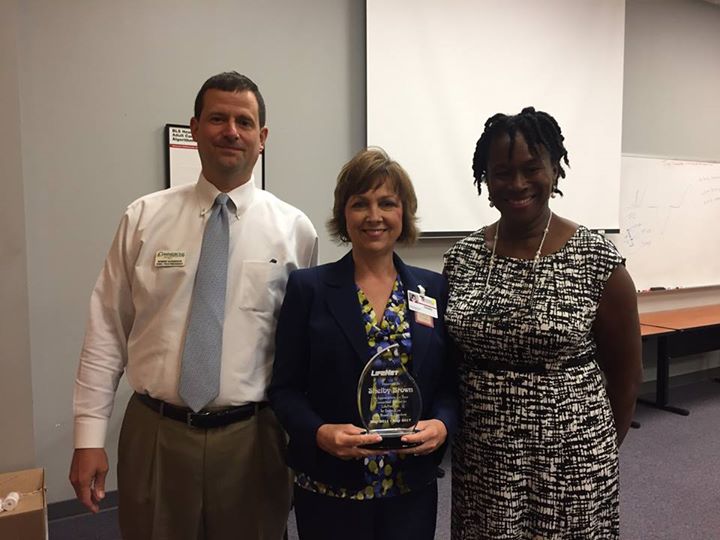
[(182, 483)]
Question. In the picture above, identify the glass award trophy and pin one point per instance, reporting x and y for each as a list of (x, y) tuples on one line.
[(389, 400)]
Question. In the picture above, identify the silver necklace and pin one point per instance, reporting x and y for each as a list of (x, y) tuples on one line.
[(536, 259)]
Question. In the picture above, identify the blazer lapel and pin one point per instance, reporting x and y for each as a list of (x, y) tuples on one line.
[(344, 306), (420, 333)]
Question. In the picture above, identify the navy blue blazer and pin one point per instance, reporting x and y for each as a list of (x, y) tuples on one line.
[(321, 350)]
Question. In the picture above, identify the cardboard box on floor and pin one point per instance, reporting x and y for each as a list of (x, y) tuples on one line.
[(28, 521)]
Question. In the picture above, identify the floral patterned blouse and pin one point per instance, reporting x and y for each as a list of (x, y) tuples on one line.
[(382, 477)]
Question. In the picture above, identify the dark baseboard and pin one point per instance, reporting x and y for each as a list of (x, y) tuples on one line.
[(73, 507)]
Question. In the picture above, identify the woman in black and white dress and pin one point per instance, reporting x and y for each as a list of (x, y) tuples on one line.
[(545, 315)]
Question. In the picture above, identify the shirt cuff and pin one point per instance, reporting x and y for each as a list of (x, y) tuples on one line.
[(90, 432)]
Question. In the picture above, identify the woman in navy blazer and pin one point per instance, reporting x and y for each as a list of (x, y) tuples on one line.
[(327, 331)]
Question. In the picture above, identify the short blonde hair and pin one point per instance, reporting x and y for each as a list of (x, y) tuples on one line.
[(367, 170)]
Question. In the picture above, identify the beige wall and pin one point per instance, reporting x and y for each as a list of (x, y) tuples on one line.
[(16, 397)]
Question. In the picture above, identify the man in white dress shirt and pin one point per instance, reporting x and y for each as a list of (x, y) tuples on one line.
[(220, 473)]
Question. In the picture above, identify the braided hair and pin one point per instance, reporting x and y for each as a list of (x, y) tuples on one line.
[(537, 127)]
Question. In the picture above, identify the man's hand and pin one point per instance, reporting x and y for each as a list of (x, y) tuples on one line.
[(87, 475)]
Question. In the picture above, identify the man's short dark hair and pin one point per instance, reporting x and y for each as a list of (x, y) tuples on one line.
[(231, 81)]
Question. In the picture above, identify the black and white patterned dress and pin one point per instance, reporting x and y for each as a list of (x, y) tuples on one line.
[(536, 455)]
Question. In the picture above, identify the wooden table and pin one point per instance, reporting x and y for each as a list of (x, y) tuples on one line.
[(679, 332), (647, 330)]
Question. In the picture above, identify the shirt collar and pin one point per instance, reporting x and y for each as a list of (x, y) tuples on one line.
[(241, 197)]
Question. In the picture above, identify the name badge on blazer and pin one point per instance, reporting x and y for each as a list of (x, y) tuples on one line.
[(425, 307)]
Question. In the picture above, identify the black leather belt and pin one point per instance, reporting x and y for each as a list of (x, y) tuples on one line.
[(490, 365), (202, 419)]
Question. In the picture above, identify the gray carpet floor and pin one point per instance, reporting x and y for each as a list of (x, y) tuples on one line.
[(670, 469), (670, 478)]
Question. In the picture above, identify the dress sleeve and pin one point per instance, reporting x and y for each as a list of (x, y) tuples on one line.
[(608, 258), (602, 258)]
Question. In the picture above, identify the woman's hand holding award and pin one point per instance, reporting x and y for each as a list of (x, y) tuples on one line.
[(389, 400)]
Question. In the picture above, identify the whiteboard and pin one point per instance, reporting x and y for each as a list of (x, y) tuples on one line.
[(437, 70), (670, 222), (182, 161)]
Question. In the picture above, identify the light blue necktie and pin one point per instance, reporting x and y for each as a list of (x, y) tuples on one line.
[(200, 371)]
